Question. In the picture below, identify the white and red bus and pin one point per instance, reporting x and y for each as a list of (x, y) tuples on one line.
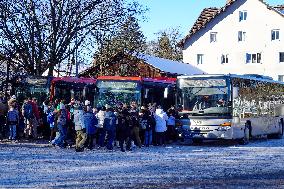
[(118, 89), (72, 87)]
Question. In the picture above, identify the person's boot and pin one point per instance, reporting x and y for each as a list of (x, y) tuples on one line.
[(79, 149)]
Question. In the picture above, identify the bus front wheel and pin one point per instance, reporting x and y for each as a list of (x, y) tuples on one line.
[(280, 134)]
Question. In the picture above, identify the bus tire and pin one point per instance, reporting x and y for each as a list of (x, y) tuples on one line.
[(280, 134), (245, 139), (197, 141)]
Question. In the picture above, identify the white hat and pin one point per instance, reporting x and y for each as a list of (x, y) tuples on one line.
[(87, 102), (14, 97), (107, 106)]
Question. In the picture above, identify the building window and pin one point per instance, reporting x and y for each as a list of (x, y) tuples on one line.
[(200, 58), (243, 15), (241, 36), (213, 37), (280, 77), (281, 57), (274, 35), (224, 59), (253, 58)]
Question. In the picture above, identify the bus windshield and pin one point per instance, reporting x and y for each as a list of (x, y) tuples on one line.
[(112, 92), (204, 97)]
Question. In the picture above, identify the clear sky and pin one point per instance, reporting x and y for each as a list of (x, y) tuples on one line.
[(166, 14)]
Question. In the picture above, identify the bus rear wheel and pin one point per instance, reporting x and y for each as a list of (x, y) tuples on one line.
[(280, 134)]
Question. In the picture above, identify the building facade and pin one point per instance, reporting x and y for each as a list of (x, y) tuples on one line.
[(243, 37)]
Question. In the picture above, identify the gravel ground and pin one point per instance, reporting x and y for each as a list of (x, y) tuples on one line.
[(208, 165)]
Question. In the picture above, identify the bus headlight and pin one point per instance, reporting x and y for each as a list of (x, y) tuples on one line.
[(226, 124)]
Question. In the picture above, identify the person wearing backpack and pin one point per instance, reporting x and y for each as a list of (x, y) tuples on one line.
[(145, 124), (27, 111), (12, 121), (60, 121), (51, 122)]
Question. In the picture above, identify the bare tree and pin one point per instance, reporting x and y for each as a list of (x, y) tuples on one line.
[(39, 34)]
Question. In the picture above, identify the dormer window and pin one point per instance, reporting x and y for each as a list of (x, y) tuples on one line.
[(243, 15), (213, 37), (274, 35)]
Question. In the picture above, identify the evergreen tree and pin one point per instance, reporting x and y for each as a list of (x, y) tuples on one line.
[(166, 45), (128, 40)]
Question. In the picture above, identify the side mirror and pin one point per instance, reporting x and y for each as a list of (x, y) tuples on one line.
[(72, 93), (166, 92), (235, 92), (146, 93)]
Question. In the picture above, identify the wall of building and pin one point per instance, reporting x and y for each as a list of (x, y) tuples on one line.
[(260, 21)]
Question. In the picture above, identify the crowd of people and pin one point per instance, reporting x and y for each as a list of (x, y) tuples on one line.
[(80, 125)]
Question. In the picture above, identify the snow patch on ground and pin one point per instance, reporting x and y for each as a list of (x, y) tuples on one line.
[(213, 164)]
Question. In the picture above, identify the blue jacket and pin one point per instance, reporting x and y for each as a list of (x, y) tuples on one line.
[(90, 121)]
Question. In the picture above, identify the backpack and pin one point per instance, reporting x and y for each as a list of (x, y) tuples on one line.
[(96, 121), (28, 111), (109, 123)]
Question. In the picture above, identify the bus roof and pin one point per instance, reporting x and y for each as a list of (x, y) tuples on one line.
[(75, 80), (141, 79), (245, 76), (122, 78)]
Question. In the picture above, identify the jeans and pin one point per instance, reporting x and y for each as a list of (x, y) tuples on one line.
[(90, 141), (102, 137), (12, 132), (148, 138), (60, 141), (110, 138)]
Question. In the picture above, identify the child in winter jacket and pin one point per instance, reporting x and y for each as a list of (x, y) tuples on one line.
[(12, 121), (51, 122), (170, 133)]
